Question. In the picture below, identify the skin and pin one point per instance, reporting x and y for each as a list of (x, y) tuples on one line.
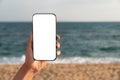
[(31, 66)]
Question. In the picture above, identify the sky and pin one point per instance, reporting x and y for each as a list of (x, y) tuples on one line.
[(65, 10)]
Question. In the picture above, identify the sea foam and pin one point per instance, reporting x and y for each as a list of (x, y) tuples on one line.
[(67, 60)]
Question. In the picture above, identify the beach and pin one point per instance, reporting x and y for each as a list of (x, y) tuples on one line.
[(68, 72), (89, 51)]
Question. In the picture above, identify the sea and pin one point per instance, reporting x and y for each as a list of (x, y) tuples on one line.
[(81, 42)]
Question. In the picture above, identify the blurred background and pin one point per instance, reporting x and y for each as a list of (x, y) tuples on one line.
[(89, 29)]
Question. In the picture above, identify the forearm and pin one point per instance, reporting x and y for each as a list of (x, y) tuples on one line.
[(25, 73)]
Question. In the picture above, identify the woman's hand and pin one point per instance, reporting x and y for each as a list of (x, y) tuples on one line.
[(31, 66), (36, 66)]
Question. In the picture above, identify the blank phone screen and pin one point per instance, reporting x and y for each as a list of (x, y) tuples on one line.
[(44, 36)]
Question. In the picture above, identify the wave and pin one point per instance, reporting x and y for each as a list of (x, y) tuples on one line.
[(73, 60), (109, 49), (12, 60), (87, 60)]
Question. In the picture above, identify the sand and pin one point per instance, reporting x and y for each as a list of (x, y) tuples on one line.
[(68, 72)]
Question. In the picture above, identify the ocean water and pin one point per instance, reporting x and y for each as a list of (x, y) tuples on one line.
[(81, 42)]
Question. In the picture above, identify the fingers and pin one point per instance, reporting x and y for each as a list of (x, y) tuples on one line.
[(57, 45), (58, 52), (57, 37)]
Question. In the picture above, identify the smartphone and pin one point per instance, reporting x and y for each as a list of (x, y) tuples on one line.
[(44, 36)]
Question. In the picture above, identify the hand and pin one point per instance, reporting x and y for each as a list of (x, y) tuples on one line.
[(31, 66), (36, 66)]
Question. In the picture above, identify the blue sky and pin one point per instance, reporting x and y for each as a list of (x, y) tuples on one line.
[(66, 10)]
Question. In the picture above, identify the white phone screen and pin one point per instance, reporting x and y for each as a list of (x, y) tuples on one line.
[(44, 36)]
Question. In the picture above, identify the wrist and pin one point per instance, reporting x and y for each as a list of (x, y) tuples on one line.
[(24, 73)]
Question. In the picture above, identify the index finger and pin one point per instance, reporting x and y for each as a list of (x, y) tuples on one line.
[(57, 37)]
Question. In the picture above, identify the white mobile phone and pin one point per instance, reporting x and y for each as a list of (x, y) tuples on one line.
[(44, 36)]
